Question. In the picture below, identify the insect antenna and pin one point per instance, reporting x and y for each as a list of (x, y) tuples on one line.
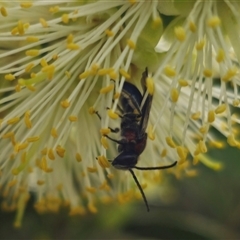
[(139, 187), (155, 168)]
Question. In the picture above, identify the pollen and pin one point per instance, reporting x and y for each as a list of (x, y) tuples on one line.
[(207, 72), (104, 142), (220, 109), (105, 131), (116, 95), (78, 157), (43, 22), (65, 103), (54, 133), (13, 120), (109, 33), (169, 71), (54, 9), (150, 85), (84, 75), (220, 55), (15, 171), (72, 118), (211, 116), (183, 82), (103, 162), (32, 39), (20, 146), (65, 18), (20, 28), (182, 152), (174, 95), (180, 33), (9, 77), (124, 73), (43, 63), (92, 169), (157, 21), (131, 44), (73, 46), (113, 75), (199, 46), (29, 67), (8, 135), (91, 110), (170, 142), (60, 151), (203, 129), (31, 88), (77, 211), (202, 147), (33, 139), (3, 11), (12, 183), (51, 154), (27, 120), (164, 152), (196, 115), (214, 21), (112, 114), (25, 4), (17, 88), (14, 31), (92, 208), (107, 89), (150, 133), (32, 52), (229, 74), (91, 189), (192, 26), (231, 140), (94, 68)]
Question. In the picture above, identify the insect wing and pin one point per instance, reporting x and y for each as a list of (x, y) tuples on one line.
[(130, 99)]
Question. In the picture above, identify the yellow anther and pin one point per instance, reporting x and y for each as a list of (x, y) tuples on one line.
[(214, 21), (65, 18), (221, 108), (48, 68), (84, 75), (170, 142), (109, 32), (164, 152), (210, 163), (107, 89), (236, 102), (217, 144), (9, 77), (72, 118), (44, 151), (69, 38), (182, 152), (27, 120), (33, 139), (105, 131), (169, 71), (3, 11), (104, 71), (40, 182), (17, 88), (131, 44), (202, 147), (196, 115), (26, 25), (157, 21), (65, 103), (183, 82), (220, 55), (207, 72), (124, 73), (231, 140), (112, 114), (60, 151), (14, 31), (229, 74), (77, 211), (113, 75), (203, 129), (192, 173), (199, 46), (92, 169), (116, 95), (43, 22), (12, 183), (8, 135), (211, 116), (151, 134), (174, 95), (92, 208), (54, 9), (15, 171), (91, 189), (68, 74), (103, 162), (78, 157), (29, 67), (20, 28), (55, 57), (20, 146), (43, 62), (23, 157), (25, 4), (104, 142), (54, 133), (94, 68), (110, 176), (180, 33), (150, 85), (31, 88), (32, 39), (32, 52), (13, 120), (91, 110), (51, 155), (192, 26), (73, 46)]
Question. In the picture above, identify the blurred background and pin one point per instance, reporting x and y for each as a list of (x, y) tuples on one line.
[(202, 207)]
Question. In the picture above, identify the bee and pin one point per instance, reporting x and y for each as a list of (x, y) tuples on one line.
[(134, 113)]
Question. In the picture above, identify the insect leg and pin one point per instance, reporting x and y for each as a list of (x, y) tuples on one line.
[(140, 188), (155, 168), (114, 140)]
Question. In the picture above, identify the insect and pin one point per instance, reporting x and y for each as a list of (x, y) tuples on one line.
[(134, 120)]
